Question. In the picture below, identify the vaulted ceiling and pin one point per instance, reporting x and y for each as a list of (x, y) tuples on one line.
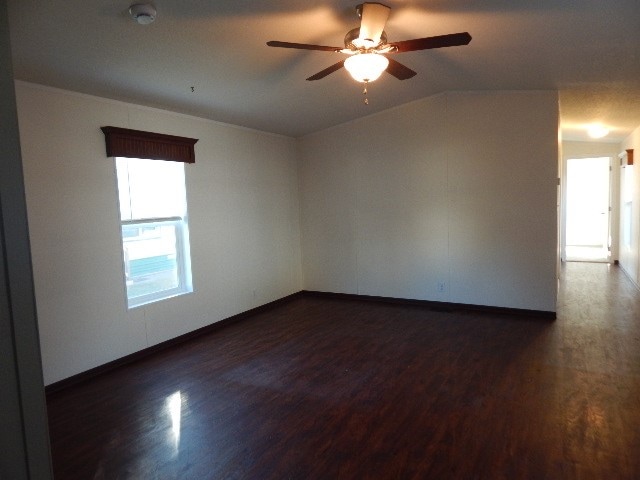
[(209, 58)]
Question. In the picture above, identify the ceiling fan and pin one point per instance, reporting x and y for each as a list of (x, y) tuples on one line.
[(367, 47)]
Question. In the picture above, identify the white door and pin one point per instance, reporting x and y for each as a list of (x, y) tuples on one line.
[(587, 220)]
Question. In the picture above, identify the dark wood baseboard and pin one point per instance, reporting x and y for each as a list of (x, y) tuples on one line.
[(439, 306), (133, 357), (431, 305)]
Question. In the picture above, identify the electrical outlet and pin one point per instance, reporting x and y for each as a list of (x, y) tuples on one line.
[(441, 286)]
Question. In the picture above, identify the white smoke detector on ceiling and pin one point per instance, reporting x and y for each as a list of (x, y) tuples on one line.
[(143, 13)]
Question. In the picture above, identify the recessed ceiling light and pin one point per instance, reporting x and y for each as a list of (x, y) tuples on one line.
[(597, 130)]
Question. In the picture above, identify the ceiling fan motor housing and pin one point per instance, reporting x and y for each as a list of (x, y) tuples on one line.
[(352, 40)]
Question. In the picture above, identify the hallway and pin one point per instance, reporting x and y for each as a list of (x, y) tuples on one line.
[(595, 349), (321, 388)]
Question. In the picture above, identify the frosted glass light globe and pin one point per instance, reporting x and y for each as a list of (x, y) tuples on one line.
[(366, 67)]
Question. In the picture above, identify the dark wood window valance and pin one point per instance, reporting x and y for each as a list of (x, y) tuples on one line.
[(123, 142)]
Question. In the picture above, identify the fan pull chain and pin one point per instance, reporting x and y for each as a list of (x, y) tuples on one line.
[(364, 92)]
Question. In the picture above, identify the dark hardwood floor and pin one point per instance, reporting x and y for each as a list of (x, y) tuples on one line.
[(321, 388)]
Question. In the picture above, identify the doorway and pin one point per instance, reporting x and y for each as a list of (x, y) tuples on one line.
[(588, 209)]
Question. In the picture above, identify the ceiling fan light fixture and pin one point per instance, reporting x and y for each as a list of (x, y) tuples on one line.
[(366, 67), (368, 44)]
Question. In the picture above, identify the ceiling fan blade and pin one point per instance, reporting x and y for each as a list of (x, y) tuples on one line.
[(303, 46), (374, 17), (333, 68), (440, 41), (399, 71)]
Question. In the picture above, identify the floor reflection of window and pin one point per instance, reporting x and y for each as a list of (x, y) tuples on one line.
[(174, 409)]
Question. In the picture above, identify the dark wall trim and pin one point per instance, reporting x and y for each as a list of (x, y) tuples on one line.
[(439, 306), (124, 142), (133, 357)]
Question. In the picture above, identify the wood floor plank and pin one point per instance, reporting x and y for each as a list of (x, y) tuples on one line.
[(321, 388)]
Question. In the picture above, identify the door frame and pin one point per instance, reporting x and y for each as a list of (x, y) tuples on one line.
[(579, 150)]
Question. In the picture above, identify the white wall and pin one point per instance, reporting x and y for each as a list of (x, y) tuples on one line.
[(630, 255), (458, 188), (242, 195), (572, 149)]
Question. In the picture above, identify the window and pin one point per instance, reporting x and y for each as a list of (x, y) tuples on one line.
[(153, 211), (155, 234)]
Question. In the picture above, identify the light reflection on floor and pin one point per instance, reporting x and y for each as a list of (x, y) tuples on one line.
[(174, 410)]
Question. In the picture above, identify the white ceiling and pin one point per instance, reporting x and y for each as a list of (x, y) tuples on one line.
[(589, 50)]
